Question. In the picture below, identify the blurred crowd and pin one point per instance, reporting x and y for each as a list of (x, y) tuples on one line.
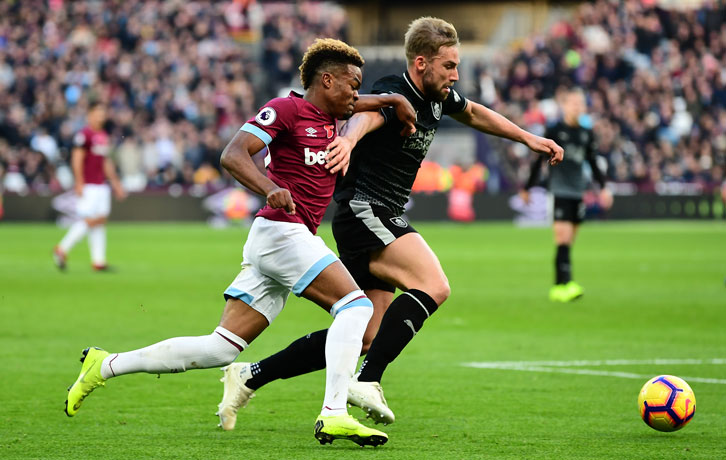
[(179, 78), (656, 86)]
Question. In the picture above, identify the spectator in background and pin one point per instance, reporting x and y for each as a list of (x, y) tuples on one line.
[(178, 66)]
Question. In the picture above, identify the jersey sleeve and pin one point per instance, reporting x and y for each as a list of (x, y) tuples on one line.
[(81, 139), (454, 103), (386, 86), (273, 118)]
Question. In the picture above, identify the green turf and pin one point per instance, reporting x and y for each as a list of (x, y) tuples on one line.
[(653, 290)]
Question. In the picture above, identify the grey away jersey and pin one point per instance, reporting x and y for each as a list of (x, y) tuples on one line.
[(567, 179), (384, 164)]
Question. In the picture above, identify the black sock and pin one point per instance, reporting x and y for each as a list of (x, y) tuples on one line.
[(403, 319), (306, 354), (562, 264)]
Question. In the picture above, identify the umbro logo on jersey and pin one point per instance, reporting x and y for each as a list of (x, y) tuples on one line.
[(311, 132), (399, 222)]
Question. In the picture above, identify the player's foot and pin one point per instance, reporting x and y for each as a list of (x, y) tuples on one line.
[(89, 379), (236, 393), (103, 268), (573, 291), (328, 428), (59, 257), (369, 397), (558, 293)]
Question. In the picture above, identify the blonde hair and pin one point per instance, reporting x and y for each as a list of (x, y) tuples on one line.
[(426, 35), (325, 53)]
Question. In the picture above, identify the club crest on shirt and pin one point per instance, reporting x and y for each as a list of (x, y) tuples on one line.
[(436, 109), (399, 222), (266, 116)]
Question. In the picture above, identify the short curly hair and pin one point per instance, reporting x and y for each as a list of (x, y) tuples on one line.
[(323, 54), (426, 35)]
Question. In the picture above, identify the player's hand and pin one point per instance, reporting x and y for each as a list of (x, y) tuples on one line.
[(605, 199), (281, 198), (524, 195), (78, 189), (546, 147), (338, 156), (406, 113), (120, 193)]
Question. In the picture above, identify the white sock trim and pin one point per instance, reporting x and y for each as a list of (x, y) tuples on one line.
[(345, 300), (232, 338), (419, 302)]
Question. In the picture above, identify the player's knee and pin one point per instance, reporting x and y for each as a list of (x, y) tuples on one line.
[(440, 291)]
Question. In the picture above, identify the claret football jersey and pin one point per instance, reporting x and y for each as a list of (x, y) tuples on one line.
[(296, 133)]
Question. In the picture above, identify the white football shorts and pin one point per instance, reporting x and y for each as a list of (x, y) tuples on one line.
[(278, 257), (95, 201)]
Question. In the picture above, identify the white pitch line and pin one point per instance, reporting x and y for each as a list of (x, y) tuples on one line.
[(604, 362), (560, 367)]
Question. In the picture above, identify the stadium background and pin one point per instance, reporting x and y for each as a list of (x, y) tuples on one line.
[(500, 372), (181, 77)]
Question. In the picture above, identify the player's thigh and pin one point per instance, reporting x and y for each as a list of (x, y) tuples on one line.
[(242, 320), (330, 285), (409, 263)]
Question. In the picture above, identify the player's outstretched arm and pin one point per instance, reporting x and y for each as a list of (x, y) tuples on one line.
[(354, 129), (237, 159), (488, 121), (404, 110)]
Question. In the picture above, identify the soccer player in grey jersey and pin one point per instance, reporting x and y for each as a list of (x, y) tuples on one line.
[(567, 184), (378, 246)]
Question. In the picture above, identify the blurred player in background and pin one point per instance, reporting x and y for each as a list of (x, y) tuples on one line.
[(378, 246), (567, 183), (91, 166), (282, 253)]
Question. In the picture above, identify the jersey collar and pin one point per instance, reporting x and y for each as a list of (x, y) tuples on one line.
[(407, 77)]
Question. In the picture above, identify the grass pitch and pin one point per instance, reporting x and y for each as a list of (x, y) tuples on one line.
[(653, 291)]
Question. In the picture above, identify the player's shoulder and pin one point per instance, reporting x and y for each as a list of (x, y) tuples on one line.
[(389, 84), (277, 109), (82, 136)]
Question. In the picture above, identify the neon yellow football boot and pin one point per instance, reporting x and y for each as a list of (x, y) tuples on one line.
[(328, 428), (88, 380), (573, 291), (558, 293)]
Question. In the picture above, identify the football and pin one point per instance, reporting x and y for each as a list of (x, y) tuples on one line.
[(666, 403)]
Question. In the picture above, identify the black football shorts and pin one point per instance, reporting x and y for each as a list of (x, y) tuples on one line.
[(359, 229)]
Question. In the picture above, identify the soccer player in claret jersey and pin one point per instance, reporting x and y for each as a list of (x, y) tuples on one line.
[(91, 167), (282, 253), (567, 183), (378, 246)]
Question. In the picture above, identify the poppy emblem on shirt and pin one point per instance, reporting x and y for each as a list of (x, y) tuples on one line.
[(266, 116), (329, 130)]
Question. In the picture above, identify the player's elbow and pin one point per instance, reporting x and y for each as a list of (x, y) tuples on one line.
[(226, 160)]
